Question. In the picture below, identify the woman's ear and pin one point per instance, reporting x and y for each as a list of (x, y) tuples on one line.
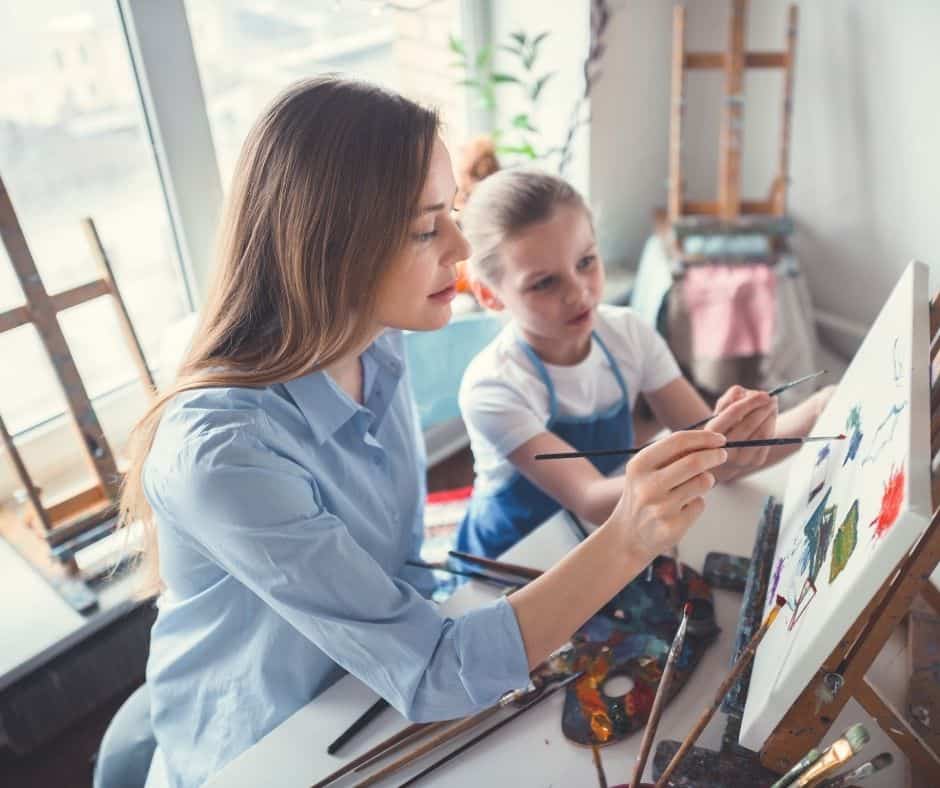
[(486, 296)]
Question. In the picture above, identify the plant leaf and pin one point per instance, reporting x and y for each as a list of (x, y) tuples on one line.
[(514, 50), (522, 122), (499, 77), (539, 39), (483, 57), (519, 36), (537, 87), (456, 45), (469, 83)]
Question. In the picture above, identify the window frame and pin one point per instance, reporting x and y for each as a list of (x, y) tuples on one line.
[(175, 118)]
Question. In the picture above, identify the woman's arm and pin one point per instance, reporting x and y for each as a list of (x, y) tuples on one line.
[(663, 489)]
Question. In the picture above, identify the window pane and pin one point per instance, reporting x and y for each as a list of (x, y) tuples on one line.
[(249, 51), (73, 144)]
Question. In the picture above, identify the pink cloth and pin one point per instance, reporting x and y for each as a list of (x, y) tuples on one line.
[(732, 309)]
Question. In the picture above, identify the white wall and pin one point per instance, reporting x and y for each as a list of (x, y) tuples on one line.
[(865, 152), (563, 52)]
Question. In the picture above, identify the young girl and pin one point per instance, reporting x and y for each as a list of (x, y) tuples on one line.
[(564, 373), (283, 472)]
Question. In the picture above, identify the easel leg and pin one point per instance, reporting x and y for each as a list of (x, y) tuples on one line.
[(924, 760)]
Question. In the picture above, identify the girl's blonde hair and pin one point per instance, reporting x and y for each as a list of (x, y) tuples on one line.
[(325, 188), (505, 203)]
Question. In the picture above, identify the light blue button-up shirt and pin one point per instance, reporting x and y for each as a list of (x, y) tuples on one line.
[(285, 515)]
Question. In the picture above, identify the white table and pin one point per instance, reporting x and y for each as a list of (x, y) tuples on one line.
[(532, 751)]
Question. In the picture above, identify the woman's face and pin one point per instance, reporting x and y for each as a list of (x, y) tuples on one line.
[(416, 290)]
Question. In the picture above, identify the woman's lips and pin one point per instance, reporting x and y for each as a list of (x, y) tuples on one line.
[(446, 294)]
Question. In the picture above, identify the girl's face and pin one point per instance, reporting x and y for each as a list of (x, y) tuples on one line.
[(416, 291), (552, 280)]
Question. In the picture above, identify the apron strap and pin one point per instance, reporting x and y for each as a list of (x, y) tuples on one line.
[(543, 374), (614, 366)]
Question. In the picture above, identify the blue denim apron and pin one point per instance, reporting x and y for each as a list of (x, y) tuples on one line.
[(496, 520)]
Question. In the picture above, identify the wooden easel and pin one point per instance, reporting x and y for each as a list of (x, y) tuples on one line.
[(804, 725), (77, 516), (729, 208)]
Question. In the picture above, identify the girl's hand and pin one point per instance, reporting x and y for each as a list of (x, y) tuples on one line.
[(745, 414), (663, 492)]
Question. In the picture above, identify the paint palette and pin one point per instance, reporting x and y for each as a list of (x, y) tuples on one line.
[(630, 638)]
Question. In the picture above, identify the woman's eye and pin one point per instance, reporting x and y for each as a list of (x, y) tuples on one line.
[(424, 237), (586, 262)]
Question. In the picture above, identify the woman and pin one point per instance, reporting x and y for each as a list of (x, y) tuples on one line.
[(283, 474)]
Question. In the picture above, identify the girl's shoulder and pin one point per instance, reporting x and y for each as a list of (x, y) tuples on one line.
[(499, 368)]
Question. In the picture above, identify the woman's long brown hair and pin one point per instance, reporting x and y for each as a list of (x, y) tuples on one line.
[(324, 190)]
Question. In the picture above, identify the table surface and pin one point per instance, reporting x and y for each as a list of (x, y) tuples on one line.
[(532, 750)]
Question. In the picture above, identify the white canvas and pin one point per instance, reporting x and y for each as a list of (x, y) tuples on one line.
[(852, 509)]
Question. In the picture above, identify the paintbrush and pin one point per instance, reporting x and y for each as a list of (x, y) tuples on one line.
[(497, 566), (364, 719), (837, 753), (876, 764), (602, 728), (567, 455), (773, 393), (743, 661), (447, 735), (483, 577), (662, 692), (383, 747), (798, 768), (479, 737)]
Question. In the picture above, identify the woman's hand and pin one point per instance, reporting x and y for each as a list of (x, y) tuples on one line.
[(744, 414), (663, 492)]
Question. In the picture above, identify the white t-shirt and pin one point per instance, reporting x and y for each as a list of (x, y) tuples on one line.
[(504, 402)]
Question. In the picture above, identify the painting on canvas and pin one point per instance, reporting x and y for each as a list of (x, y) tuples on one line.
[(853, 508)]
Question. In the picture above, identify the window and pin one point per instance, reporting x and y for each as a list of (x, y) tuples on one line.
[(73, 144), (248, 51)]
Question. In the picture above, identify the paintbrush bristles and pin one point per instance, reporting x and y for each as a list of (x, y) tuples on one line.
[(838, 753), (862, 772)]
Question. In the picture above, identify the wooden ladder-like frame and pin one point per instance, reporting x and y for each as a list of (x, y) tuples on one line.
[(93, 507)]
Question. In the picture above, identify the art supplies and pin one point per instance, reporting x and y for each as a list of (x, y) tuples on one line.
[(547, 693), (568, 455), (835, 755), (450, 733), (364, 719), (630, 637), (497, 566), (404, 735), (739, 666), (773, 393), (483, 577), (852, 511), (873, 766), (798, 768), (659, 701)]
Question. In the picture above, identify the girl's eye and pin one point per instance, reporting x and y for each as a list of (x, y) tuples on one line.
[(544, 283), (586, 262)]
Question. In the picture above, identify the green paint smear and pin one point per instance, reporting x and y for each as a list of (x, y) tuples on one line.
[(844, 543)]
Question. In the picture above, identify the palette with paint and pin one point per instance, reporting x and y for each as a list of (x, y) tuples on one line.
[(631, 637), (852, 508)]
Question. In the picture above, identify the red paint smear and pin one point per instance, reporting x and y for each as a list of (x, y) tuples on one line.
[(891, 501)]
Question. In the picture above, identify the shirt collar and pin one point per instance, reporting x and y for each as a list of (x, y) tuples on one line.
[(326, 407)]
